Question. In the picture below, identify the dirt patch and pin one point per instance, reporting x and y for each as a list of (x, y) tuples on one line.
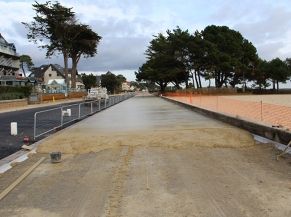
[(76, 141)]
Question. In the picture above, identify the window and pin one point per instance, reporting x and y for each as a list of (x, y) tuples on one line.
[(50, 75)]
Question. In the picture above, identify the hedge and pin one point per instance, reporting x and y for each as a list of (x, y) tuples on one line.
[(7, 92)]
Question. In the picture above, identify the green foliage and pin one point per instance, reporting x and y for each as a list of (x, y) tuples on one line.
[(50, 26), (217, 53), (7, 92), (84, 42), (231, 55), (51, 29), (88, 80), (25, 63), (278, 71), (112, 82), (166, 61)]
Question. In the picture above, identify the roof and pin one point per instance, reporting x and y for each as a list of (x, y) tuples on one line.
[(56, 81), (38, 72), (7, 48)]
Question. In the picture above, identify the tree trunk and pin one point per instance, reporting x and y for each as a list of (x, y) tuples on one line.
[(277, 86), (274, 86), (193, 82), (199, 79), (74, 72), (196, 79), (22, 67), (186, 81), (66, 69)]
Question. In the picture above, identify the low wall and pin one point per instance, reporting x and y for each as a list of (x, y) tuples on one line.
[(77, 95), (57, 96), (4, 104), (274, 134), (51, 96)]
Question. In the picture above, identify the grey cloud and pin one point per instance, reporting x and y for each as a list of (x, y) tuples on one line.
[(270, 50), (271, 27), (117, 54)]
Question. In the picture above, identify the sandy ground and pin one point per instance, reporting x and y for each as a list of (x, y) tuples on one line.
[(147, 157), (278, 99)]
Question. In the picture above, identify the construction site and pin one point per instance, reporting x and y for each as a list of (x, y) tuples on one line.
[(152, 156)]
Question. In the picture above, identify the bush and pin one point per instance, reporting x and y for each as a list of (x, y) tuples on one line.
[(7, 92)]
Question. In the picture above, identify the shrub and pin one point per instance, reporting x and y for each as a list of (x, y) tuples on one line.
[(7, 92)]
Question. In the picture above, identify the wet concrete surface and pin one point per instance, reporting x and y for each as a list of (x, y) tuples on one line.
[(147, 113)]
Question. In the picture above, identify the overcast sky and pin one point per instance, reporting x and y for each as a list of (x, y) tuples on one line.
[(127, 27)]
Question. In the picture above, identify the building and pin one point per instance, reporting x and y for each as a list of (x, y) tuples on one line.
[(9, 65), (126, 86), (52, 75)]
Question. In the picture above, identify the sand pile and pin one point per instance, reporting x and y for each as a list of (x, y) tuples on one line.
[(76, 141)]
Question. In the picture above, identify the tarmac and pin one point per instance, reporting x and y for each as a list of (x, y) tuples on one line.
[(148, 157)]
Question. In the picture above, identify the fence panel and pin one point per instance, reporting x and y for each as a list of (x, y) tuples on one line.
[(47, 121), (266, 113), (70, 113)]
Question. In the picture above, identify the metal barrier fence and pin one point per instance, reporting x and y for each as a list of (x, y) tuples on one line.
[(52, 119), (266, 113)]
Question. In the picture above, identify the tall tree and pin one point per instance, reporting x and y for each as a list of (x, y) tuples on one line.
[(88, 80), (51, 29), (259, 74), (278, 72), (232, 54), (25, 63), (163, 65), (178, 46), (109, 81), (84, 42)]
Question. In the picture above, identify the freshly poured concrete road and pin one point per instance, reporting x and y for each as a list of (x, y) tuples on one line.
[(147, 157)]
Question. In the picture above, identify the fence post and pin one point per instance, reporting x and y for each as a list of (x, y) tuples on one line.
[(34, 127), (92, 107), (80, 111), (105, 102), (190, 97), (99, 102), (62, 117), (261, 110)]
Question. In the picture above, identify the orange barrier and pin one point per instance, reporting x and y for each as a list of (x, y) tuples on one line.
[(269, 114)]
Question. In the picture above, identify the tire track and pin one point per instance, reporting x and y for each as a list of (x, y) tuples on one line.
[(113, 205)]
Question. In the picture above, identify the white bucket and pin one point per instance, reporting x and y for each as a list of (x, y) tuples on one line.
[(13, 128), (69, 112)]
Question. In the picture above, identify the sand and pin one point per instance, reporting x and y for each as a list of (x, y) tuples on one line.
[(79, 142)]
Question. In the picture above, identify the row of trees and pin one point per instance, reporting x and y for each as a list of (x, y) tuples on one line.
[(56, 29), (109, 80), (215, 53)]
